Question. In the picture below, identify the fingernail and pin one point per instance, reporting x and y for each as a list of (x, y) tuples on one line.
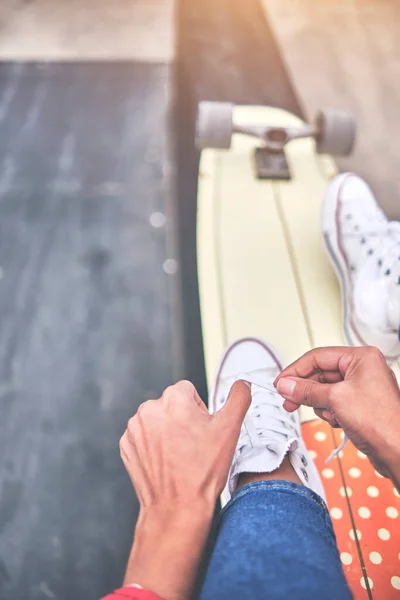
[(246, 383), (286, 387)]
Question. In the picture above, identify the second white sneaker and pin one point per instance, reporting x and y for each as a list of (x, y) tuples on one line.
[(269, 432), (364, 248)]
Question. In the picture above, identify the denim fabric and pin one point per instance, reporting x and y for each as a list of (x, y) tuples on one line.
[(274, 540)]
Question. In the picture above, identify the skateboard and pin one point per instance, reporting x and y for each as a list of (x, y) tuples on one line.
[(263, 271)]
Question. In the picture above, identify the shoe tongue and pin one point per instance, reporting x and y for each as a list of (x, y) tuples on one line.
[(261, 377), (263, 399)]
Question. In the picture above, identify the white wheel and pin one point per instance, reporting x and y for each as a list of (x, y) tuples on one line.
[(336, 132), (214, 125)]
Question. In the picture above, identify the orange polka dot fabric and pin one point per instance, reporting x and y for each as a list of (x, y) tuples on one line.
[(365, 511)]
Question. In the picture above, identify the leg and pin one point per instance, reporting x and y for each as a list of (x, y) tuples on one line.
[(275, 541), (274, 537)]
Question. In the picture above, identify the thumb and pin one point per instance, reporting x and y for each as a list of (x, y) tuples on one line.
[(237, 404), (305, 391)]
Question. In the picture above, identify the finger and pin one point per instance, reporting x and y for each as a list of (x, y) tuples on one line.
[(305, 391), (394, 379), (133, 464), (126, 447), (237, 404), (317, 360), (290, 406), (130, 458), (326, 377), (183, 391), (327, 416)]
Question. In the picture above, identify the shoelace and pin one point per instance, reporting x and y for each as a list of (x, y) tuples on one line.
[(266, 407), (388, 235), (390, 241), (338, 449), (276, 402)]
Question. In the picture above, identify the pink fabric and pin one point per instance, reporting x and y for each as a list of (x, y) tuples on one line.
[(132, 593)]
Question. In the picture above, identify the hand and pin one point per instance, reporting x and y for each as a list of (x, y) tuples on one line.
[(352, 388), (178, 457), (176, 453)]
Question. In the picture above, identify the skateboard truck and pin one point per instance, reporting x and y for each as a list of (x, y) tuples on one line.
[(270, 159), (333, 130)]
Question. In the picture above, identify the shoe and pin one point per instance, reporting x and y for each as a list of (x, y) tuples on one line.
[(364, 248), (269, 432)]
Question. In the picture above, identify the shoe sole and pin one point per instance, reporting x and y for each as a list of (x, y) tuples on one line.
[(337, 260)]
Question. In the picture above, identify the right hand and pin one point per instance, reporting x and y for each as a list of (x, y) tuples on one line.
[(352, 388)]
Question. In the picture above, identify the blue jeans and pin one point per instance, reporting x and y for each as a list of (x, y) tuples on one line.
[(275, 540)]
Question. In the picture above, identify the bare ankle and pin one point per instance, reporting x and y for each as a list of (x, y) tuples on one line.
[(284, 472)]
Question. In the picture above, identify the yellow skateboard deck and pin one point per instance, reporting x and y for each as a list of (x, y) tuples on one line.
[(263, 271)]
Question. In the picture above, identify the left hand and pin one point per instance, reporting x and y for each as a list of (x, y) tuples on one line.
[(176, 453), (178, 457)]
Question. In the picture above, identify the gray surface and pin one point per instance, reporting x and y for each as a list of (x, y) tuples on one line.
[(85, 323), (84, 315)]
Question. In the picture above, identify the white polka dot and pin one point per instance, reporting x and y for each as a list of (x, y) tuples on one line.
[(378, 474), (328, 473), (375, 558), (342, 492), (157, 219), (170, 266), (313, 454), (336, 513), (361, 454), (383, 534), (320, 436), (346, 558), (352, 536), (396, 493), (372, 491), (364, 585), (364, 512), (341, 435), (395, 581), (354, 472), (392, 512), (341, 454)]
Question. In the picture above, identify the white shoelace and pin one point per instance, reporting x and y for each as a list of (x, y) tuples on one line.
[(338, 449), (390, 242), (264, 408), (385, 252), (388, 236)]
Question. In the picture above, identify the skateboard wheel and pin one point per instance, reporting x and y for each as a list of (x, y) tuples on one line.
[(336, 132), (214, 125)]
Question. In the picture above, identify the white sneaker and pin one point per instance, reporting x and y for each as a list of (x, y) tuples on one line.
[(269, 432), (365, 251)]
